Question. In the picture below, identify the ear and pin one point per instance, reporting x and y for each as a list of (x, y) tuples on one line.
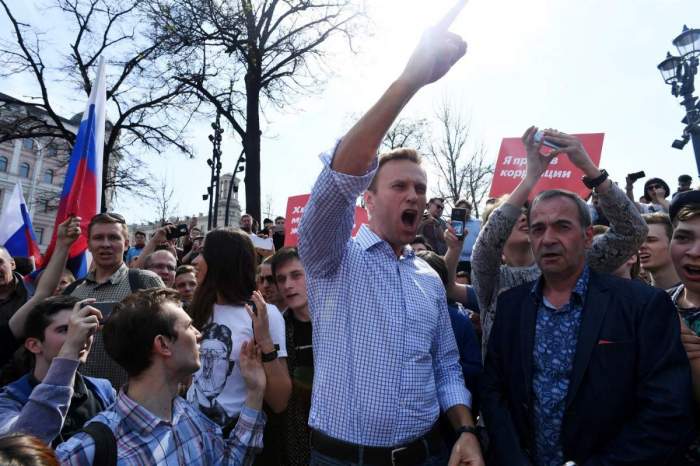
[(161, 346), (12, 264), (33, 345), (368, 198)]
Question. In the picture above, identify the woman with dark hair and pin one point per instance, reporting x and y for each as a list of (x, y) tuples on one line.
[(25, 450), (226, 297)]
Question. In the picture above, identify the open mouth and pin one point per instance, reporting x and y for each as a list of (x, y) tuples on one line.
[(409, 217), (692, 271), (524, 229), (644, 257)]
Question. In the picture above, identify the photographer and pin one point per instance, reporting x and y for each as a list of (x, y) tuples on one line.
[(164, 238), (656, 191), (59, 333)]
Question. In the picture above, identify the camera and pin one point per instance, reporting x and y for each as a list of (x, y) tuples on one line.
[(457, 220), (636, 175), (178, 231), (539, 137)]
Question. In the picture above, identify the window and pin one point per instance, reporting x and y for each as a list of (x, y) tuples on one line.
[(27, 144), (24, 170), (39, 232), (3, 164), (51, 151), (48, 176)]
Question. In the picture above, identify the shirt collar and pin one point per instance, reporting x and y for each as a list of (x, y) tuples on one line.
[(116, 277), (367, 239), (578, 294), (138, 418)]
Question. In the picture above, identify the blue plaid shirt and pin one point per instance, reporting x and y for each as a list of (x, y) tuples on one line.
[(556, 335), (385, 356), (189, 439)]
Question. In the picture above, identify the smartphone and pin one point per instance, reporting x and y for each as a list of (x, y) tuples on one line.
[(178, 231), (457, 219), (539, 137), (105, 307)]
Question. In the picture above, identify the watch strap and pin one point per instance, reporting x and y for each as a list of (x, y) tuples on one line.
[(467, 430), (592, 183), (269, 357)]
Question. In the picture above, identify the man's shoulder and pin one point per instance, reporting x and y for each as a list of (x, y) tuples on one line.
[(17, 391)]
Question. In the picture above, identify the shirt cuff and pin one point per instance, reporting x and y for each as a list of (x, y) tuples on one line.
[(61, 372), (454, 394), (251, 416), (350, 186)]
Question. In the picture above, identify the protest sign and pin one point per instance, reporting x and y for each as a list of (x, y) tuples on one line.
[(561, 173), (295, 209)]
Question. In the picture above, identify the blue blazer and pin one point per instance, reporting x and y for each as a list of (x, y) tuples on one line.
[(630, 397)]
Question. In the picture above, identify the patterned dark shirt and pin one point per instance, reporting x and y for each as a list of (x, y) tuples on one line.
[(556, 334)]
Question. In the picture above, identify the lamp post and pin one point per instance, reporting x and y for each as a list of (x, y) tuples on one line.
[(679, 72), (231, 188), (215, 164)]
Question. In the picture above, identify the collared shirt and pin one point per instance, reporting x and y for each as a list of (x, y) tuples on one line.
[(114, 289), (132, 252), (189, 439), (556, 335), (385, 357)]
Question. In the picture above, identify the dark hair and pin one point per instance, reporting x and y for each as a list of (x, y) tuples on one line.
[(25, 450), (231, 264), (139, 232), (658, 181), (420, 239), (685, 179), (465, 203), (42, 314), (434, 199), (687, 212), (281, 257), (267, 220), (395, 154), (584, 215), (134, 324), (108, 218), (436, 262), (660, 218), (183, 269), (279, 218)]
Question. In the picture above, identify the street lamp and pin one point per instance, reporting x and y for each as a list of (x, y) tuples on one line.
[(231, 188), (215, 164), (679, 73)]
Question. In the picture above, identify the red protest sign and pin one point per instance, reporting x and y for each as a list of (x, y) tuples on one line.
[(295, 209), (561, 173)]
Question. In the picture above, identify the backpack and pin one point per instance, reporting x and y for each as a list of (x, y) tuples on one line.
[(105, 443), (135, 282)]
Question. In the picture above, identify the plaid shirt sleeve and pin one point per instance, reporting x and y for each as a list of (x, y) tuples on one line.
[(450, 385), (246, 439), (43, 414), (326, 224)]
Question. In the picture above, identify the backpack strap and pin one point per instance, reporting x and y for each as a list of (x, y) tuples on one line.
[(70, 288), (105, 444), (136, 281)]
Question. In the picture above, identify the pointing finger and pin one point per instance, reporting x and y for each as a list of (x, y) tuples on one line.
[(447, 20)]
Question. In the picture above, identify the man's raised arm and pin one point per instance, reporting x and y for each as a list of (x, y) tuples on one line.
[(327, 221)]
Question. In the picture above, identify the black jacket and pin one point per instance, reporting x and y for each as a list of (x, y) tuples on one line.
[(629, 400)]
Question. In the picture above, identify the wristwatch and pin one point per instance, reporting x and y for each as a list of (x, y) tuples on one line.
[(269, 357), (592, 183), (467, 430)]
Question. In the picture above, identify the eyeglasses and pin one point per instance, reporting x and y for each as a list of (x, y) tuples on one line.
[(269, 279), (109, 216), (654, 186)]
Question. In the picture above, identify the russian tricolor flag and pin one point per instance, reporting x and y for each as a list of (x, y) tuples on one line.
[(83, 185), (16, 232)]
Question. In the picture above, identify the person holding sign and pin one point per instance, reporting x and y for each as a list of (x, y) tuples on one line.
[(505, 232), (385, 358)]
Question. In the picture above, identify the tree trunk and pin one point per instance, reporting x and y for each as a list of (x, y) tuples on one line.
[(252, 147)]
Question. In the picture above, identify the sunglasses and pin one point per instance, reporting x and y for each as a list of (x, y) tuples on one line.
[(654, 186), (269, 279)]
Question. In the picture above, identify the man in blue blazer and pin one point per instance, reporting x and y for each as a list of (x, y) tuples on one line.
[(580, 366)]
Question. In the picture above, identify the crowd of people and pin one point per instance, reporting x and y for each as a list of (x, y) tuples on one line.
[(554, 331)]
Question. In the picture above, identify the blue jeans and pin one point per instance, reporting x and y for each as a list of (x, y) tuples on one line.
[(318, 459)]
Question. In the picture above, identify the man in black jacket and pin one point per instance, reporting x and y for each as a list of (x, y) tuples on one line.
[(580, 366)]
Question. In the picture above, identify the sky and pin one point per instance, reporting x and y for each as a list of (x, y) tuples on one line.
[(580, 67)]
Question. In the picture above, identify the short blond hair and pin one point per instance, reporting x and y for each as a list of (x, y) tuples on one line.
[(402, 153), (687, 212)]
